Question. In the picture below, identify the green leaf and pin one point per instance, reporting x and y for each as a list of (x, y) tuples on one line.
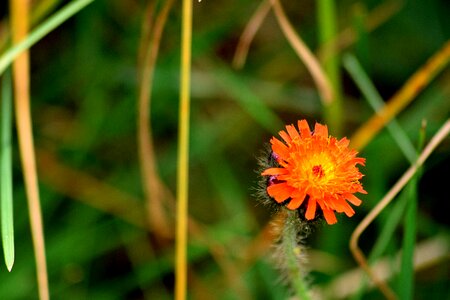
[(6, 182), (374, 99)]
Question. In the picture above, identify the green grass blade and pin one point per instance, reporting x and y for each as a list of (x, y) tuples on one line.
[(327, 22), (369, 91), (49, 25), (406, 277), (393, 220), (6, 182)]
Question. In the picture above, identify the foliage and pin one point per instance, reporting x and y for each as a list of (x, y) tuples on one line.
[(84, 91)]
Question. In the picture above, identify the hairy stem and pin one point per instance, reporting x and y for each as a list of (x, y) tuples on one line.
[(292, 255)]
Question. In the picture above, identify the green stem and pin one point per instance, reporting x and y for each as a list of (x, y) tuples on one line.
[(326, 16), (292, 252), (6, 183), (406, 276)]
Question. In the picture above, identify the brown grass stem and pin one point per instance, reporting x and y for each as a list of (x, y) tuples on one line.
[(307, 57), (21, 76), (356, 251), (378, 16), (240, 56), (153, 187)]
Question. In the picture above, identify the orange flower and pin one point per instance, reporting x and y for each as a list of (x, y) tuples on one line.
[(314, 168)]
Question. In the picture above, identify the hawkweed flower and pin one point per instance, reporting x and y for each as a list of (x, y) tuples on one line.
[(308, 168)]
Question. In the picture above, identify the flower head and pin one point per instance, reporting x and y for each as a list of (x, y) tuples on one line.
[(313, 168)]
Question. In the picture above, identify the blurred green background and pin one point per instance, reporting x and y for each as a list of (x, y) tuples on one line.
[(84, 88)]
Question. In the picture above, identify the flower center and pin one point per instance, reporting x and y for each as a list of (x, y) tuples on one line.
[(318, 171)]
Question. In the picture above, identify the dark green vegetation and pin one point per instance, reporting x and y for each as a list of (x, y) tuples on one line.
[(84, 89)]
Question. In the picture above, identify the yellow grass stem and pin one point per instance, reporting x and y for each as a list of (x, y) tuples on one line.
[(21, 75), (402, 98), (183, 154)]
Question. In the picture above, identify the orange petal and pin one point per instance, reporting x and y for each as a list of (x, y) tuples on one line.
[(329, 216), (347, 209), (293, 133), (274, 171), (285, 136), (311, 209), (280, 191), (299, 193), (279, 148), (321, 202), (321, 130), (338, 205), (295, 203), (344, 142), (304, 128), (359, 160), (353, 200)]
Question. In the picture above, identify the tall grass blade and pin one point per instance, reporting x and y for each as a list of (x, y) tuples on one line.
[(406, 277), (183, 154), (6, 183), (327, 21), (372, 96)]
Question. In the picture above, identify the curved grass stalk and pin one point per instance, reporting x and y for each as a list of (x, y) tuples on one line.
[(153, 186), (321, 80), (240, 56), (356, 251)]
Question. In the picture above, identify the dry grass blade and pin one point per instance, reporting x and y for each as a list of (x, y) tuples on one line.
[(310, 61), (402, 98), (153, 186), (356, 251), (21, 76), (146, 33), (240, 56)]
